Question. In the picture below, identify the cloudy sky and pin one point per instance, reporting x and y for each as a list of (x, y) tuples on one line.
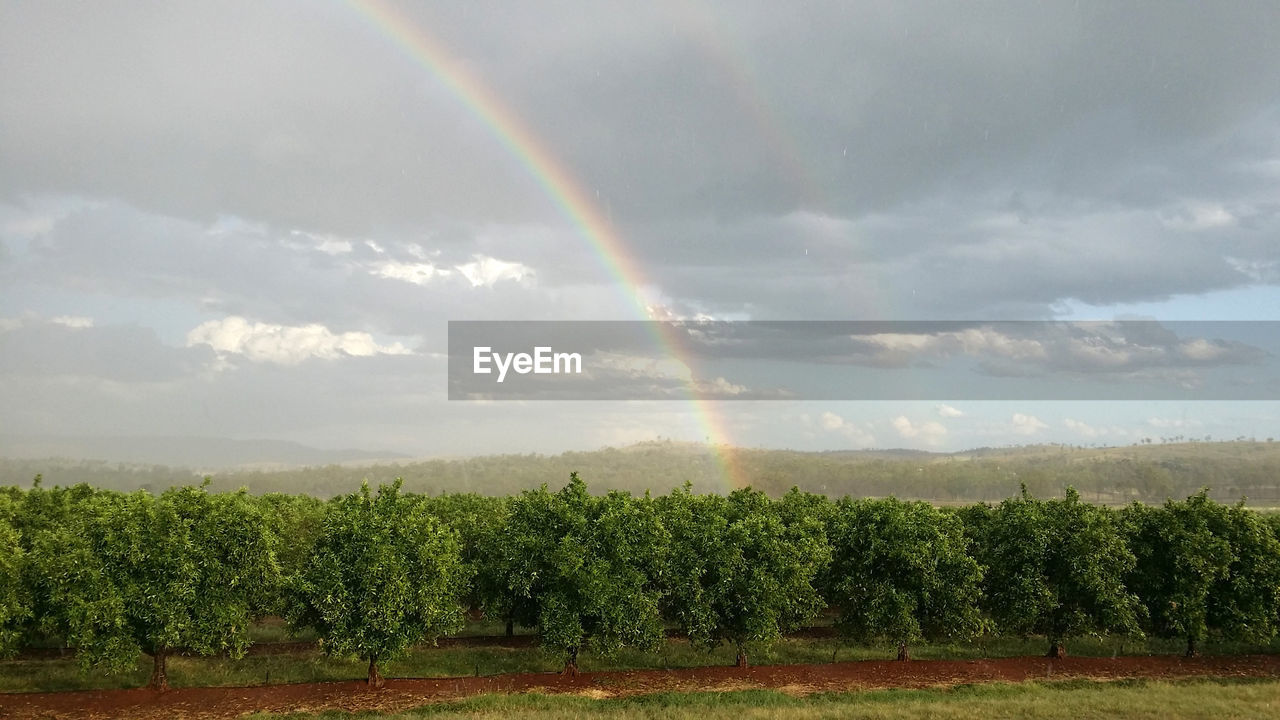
[(255, 219)]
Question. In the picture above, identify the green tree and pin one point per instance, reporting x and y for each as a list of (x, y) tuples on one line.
[(737, 572), (384, 575), (585, 570), (15, 602), (294, 522), (133, 573), (900, 572), (1056, 568), (1180, 560), (479, 521), (1244, 602)]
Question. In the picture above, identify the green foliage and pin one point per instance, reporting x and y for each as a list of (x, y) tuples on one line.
[(294, 522), (479, 522), (1056, 568), (384, 574), (42, 508), (738, 573), (1244, 602), (1181, 557), (15, 602), (114, 575), (133, 573), (810, 515), (900, 571), (585, 570)]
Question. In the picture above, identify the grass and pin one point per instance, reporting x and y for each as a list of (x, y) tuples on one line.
[(49, 675), (1130, 700)]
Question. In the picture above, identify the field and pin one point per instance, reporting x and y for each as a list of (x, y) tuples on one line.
[(1065, 699)]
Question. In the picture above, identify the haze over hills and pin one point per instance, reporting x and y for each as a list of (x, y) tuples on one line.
[(199, 453), (1144, 472)]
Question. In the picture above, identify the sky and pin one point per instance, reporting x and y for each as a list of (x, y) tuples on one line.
[(255, 219)]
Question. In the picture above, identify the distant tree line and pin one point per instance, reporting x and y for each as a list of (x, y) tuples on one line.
[(1112, 476), (374, 573)]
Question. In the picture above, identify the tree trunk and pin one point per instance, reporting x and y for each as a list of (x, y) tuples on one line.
[(1057, 650), (375, 678), (1192, 650), (511, 628), (742, 658), (159, 673), (904, 654), (571, 663)]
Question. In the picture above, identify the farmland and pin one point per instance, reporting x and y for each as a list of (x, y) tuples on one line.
[(193, 588)]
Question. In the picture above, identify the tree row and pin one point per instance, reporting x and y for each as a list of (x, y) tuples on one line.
[(374, 573)]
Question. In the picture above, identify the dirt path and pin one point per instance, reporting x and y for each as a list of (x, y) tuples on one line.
[(798, 679)]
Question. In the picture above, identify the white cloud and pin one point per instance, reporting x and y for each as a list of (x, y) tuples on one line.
[(334, 247), (720, 386), (483, 271), (416, 273), (931, 432), (855, 433), (1082, 428), (1172, 423), (283, 344), (1259, 271), (1095, 353), (72, 321), (970, 341), (947, 411), (1199, 216), (75, 322), (1201, 349), (487, 271), (1027, 424)]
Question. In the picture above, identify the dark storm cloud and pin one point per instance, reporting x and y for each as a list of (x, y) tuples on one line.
[(848, 144), (302, 112)]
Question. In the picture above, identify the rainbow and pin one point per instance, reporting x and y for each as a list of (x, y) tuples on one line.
[(560, 187)]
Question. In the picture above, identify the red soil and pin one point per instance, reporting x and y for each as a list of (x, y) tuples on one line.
[(400, 694), (287, 647)]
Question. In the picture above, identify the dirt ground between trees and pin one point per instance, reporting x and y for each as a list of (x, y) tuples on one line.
[(513, 642), (405, 693)]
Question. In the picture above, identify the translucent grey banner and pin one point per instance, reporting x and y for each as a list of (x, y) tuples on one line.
[(864, 360)]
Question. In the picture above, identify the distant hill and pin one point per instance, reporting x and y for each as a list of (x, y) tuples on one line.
[(197, 453), (1114, 475)]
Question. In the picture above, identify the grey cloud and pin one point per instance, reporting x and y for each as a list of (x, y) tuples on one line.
[(305, 115), (122, 353), (233, 268)]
